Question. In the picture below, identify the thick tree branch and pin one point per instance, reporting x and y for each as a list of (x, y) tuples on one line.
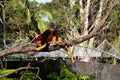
[(28, 48), (18, 49), (97, 27)]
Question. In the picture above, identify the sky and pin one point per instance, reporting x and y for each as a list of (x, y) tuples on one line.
[(43, 1)]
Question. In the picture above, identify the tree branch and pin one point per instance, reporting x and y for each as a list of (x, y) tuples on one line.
[(93, 33), (97, 27)]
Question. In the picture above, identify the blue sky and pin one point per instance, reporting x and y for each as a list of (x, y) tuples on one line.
[(43, 1)]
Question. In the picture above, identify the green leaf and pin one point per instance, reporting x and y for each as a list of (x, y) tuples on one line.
[(65, 74), (28, 16), (85, 78), (21, 3), (41, 26)]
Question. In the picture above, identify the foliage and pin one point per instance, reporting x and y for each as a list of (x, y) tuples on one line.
[(29, 18), (116, 43), (23, 17), (64, 17), (39, 17), (6, 71), (28, 75), (16, 19), (85, 78), (113, 30), (64, 74), (8, 79), (113, 34)]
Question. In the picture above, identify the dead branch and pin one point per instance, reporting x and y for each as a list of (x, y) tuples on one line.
[(28, 48)]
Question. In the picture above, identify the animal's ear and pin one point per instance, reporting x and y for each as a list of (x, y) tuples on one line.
[(37, 42)]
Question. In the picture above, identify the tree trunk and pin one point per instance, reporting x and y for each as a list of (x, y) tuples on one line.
[(3, 23), (73, 32), (84, 13), (97, 20)]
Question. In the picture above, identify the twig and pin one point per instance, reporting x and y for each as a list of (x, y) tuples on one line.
[(37, 75), (31, 68)]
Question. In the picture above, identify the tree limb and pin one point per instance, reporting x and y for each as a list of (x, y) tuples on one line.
[(97, 27), (93, 33)]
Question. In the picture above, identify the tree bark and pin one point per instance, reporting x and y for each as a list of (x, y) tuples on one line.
[(3, 23), (98, 18), (27, 48)]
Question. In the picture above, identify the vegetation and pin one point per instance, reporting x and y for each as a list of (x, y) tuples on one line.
[(27, 75), (64, 74), (23, 20), (27, 19)]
